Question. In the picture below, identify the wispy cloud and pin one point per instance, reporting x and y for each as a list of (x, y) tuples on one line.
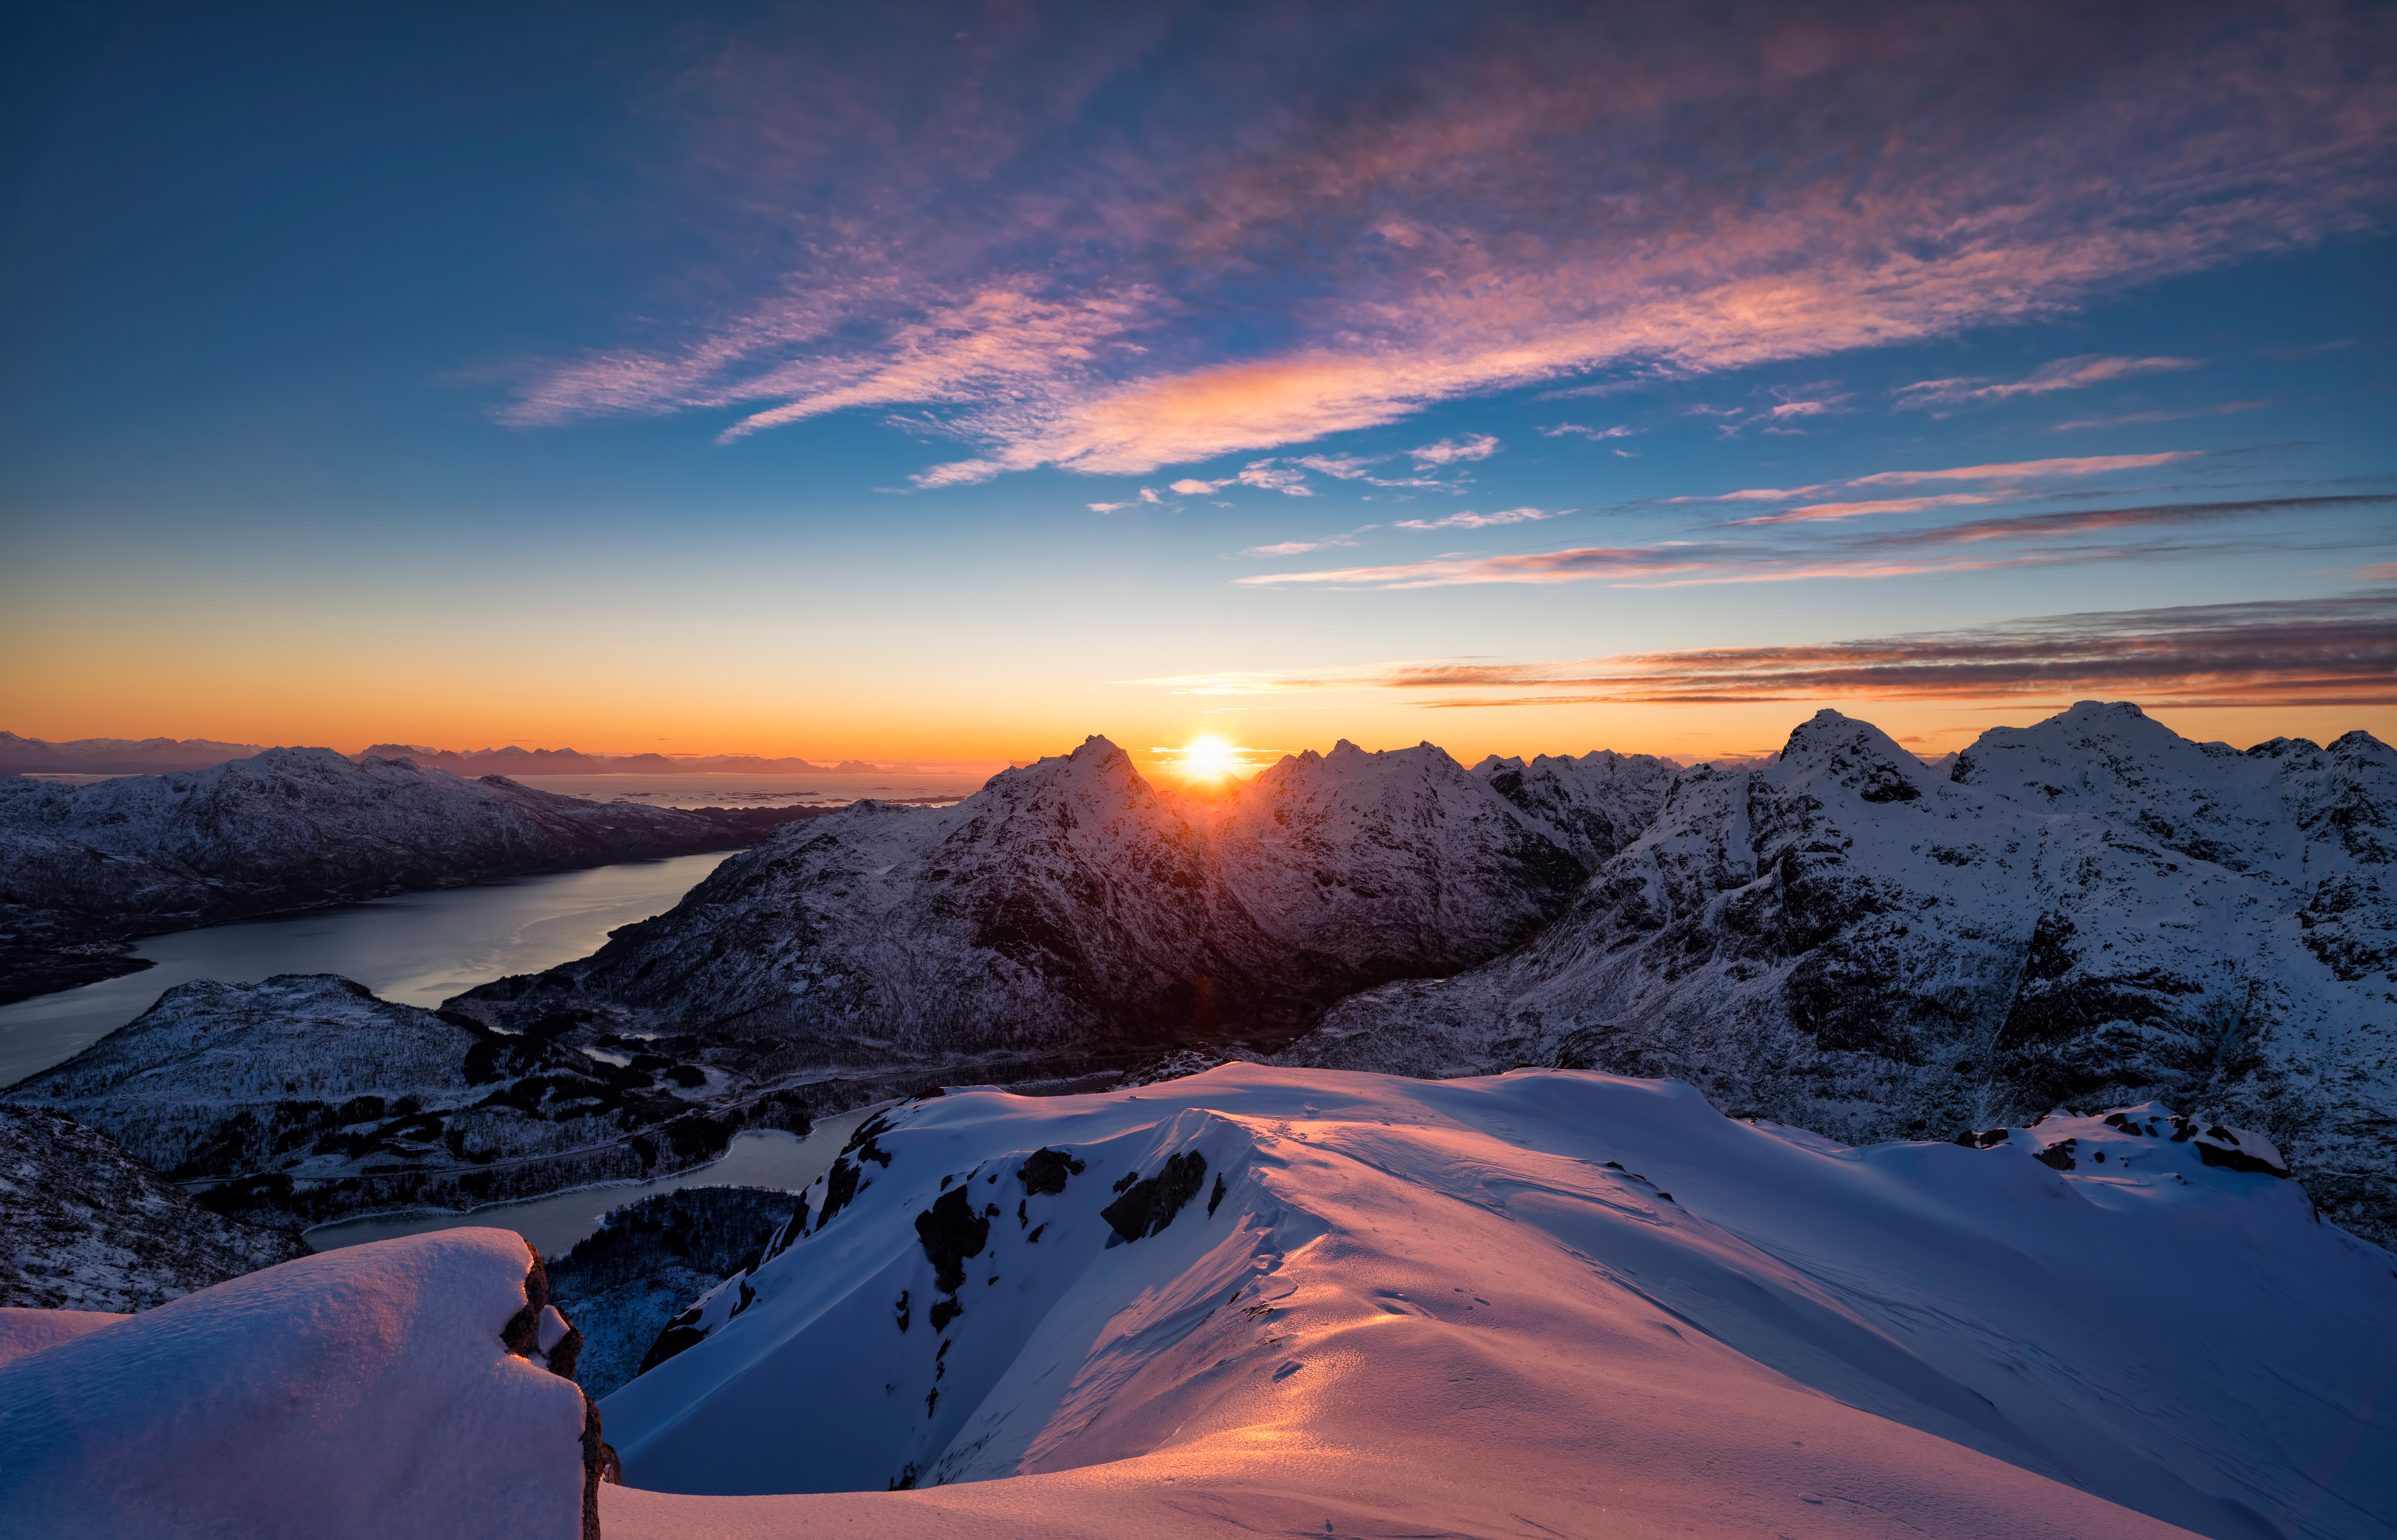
[(1568, 430), (1300, 547), (2012, 475), (1888, 506), (2078, 373), (1482, 521), (2019, 541), (2327, 651), (953, 225), (2224, 408), (1450, 451)]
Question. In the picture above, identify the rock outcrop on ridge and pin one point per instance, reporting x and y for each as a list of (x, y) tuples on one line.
[(86, 1227), (82, 867), (1070, 902), (2095, 910), (305, 1098)]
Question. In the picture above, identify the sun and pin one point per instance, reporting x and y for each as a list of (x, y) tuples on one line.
[(1206, 758)]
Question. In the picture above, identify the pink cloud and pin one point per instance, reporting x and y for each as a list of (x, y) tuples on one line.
[(1450, 451), (1482, 521), (947, 235), (2089, 369), (2017, 541), (2333, 652), (1892, 505)]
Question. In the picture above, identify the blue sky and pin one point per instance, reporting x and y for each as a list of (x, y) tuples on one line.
[(795, 381)]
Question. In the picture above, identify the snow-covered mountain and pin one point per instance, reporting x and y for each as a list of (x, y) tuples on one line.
[(81, 867), (306, 1097), (1070, 902), (1591, 1303), (1285, 1302), (85, 1226), (2095, 910)]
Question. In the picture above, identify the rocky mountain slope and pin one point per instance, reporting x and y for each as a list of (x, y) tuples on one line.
[(1071, 902), (305, 1098), (82, 867), (648, 1261), (1586, 1305), (86, 1227), (2092, 910)]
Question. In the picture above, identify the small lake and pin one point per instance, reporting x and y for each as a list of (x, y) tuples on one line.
[(556, 1223), (416, 948)]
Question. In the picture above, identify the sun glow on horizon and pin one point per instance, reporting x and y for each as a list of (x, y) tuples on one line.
[(1207, 757)]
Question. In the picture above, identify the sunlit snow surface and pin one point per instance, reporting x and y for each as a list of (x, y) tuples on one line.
[(1434, 1308), (365, 1393)]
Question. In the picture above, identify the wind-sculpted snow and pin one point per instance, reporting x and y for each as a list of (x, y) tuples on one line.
[(2094, 911), (1072, 903), (407, 1388), (84, 1226), (306, 1097), (1550, 1302), (289, 828)]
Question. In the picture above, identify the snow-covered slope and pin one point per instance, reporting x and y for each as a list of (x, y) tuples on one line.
[(306, 1097), (399, 1389), (84, 1226), (2095, 911), (1070, 902), (285, 829), (1550, 1302)]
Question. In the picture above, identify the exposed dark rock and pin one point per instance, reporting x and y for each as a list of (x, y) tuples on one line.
[(1150, 1206), (1044, 1171)]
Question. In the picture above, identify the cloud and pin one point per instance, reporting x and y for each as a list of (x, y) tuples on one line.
[(1564, 430), (1348, 467), (1450, 451), (889, 214), (2019, 541), (2011, 474), (1265, 475), (2078, 373), (1482, 521), (1891, 505), (1299, 547), (2220, 409), (2328, 651), (1193, 486)]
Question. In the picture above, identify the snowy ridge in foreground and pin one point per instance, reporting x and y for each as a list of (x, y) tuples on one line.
[(1545, 1301)]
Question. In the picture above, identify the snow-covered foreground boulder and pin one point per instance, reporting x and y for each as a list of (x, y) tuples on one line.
[(1543, 1303), (368, 1392)]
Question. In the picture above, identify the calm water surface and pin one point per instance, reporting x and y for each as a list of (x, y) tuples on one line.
[(417, 949), (556, 1223)]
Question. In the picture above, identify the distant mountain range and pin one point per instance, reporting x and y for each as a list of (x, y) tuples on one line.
[(82, 868), (20, 756)]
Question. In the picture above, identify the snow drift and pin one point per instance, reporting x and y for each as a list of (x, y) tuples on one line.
[(396, 1389), (1547, 1302)]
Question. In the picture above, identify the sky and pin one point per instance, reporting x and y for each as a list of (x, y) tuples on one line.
[(956, 381)]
